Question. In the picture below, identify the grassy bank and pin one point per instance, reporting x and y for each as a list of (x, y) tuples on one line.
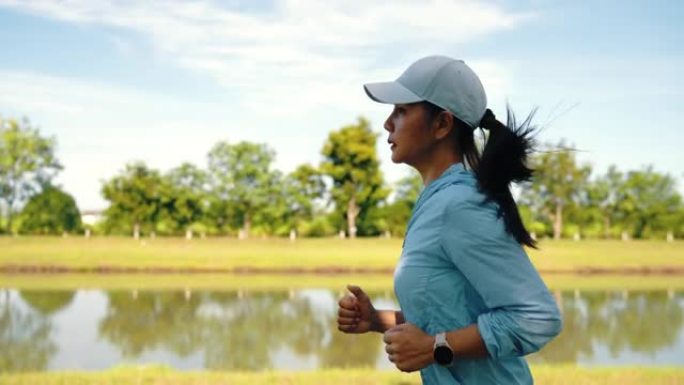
[(264, 282), (550, 375), (99, 254)]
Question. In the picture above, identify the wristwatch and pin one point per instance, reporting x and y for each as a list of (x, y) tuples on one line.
[(442, 352)]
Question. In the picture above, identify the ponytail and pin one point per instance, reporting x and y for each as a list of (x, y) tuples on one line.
[(502, 161)]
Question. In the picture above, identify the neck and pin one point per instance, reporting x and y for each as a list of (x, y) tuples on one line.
[(431, 169)]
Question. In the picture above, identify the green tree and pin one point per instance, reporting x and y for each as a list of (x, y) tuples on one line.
[(352, 163), (184, 197), (241, 180), (398, 213), (27, 162), (675, 222), (604, 196), (651, 202), (533, 223), (558, 183), (303, 187), (135, 199), (53, 211), (275, 216)]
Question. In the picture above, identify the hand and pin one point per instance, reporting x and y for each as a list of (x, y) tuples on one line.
[(356, 313), (408, 347)]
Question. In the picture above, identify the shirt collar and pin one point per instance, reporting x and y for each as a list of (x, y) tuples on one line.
[(456, 173), (450, 174)]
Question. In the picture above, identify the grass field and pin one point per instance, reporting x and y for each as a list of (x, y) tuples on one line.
[(547, 375), (307, 254), (341, 259)]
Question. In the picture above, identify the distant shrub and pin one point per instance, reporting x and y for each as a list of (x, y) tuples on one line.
[(319, 226), (53, 211)]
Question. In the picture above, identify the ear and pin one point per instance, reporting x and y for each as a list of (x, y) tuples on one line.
[(443, 124)]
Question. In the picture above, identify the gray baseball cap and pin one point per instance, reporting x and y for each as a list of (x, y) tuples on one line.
[(440, 80)]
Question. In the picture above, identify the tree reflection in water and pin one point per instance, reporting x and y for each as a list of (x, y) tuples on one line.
[(234, 330), (25, 336), (46, 302), (243, 332), (151, 320), (643, 322), (263, 330)]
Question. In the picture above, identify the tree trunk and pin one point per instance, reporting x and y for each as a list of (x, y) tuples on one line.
[(606, 227), (9, 221), (640, 228), (558, 222), (10, 217), (247, 225), (136, 231), (352, 212)]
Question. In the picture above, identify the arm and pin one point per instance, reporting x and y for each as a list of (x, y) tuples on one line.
[(409, 348), (384, 320), (467, 342), (523, 315), (356, 314)]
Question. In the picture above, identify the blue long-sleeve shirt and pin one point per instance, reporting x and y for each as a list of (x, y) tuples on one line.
[(459, 266)]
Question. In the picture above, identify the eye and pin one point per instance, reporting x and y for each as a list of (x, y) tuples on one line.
[(399, 110)]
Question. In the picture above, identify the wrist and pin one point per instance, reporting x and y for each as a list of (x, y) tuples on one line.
[(443, 353), (376, 322), (430, 350), (383, 320)]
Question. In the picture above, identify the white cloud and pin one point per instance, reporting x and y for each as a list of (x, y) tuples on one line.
[(294, 70), (25, 92), (306, 48), (35, 92)]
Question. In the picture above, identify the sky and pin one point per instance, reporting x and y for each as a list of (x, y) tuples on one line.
[(163, 81)]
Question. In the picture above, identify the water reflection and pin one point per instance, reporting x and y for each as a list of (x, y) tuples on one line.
[(232, 330), (636, 322), (293, 330), (25, 337), (47, 302), (151, 320)]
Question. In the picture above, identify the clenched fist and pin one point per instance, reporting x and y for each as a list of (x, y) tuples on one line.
[(356, 313), (408, 347)]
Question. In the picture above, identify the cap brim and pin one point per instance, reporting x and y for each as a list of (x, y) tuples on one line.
[(391, 93)]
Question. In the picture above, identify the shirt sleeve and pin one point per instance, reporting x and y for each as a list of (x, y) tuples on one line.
[(522, 315)]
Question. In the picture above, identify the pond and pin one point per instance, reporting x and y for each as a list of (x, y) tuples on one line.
[(293, 330)]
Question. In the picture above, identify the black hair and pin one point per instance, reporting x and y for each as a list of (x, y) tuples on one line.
[(502, 161)]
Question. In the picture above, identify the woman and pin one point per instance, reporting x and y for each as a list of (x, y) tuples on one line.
[(471, 302)]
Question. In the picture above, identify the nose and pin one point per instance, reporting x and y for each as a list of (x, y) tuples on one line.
[(388, 124)]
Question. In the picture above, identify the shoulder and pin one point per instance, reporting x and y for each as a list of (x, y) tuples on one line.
[(455, 194), (467, 211), (463, 199)]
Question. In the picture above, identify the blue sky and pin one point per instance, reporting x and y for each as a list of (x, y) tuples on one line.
[(163, 81)]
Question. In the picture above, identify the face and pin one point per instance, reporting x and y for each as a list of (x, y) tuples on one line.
[(409, 133)]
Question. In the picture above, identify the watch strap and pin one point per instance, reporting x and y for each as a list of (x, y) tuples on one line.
[(442, 352), (440, 339)]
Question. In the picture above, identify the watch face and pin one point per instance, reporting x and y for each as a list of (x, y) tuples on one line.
[(443, 355)]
